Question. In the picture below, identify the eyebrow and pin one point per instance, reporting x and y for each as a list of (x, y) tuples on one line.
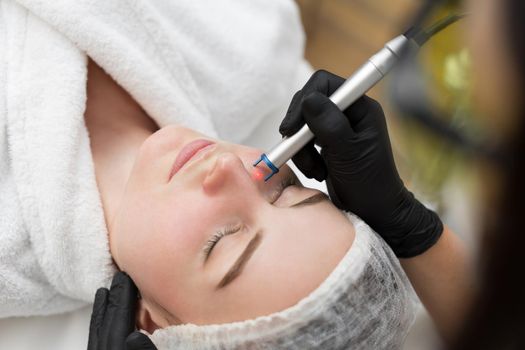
[(316, 198), (237, 267)]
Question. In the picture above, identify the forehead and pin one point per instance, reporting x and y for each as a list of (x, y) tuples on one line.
[(298, 250)]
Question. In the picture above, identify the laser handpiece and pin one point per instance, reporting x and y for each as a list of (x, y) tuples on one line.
[(356, 86), (368, 75)]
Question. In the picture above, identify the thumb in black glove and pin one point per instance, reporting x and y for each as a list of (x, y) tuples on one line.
[(356, 160), (113, 318), (139, 341)]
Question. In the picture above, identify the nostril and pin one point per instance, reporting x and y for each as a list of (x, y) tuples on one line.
[(214, 179), (225, 168)]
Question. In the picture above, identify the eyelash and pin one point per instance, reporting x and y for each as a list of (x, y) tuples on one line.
[(217, 237), (287, 181)]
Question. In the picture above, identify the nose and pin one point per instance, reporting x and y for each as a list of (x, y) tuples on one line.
[(228, 172)]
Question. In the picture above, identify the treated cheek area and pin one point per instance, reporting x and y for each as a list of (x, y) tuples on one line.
[(257, 174)]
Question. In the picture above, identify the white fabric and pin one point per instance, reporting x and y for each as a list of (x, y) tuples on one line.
[(73, 326), (218, 67), (367, 302)]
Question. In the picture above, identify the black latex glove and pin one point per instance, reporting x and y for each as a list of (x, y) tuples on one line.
[(356, 161), (113, 319)]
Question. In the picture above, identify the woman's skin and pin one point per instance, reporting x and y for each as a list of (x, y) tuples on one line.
[(159, 227), (443, 276)]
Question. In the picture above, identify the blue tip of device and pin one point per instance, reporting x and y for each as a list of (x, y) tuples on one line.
[(269, 164)]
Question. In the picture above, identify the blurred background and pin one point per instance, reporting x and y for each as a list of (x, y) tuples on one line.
[(342, 35)]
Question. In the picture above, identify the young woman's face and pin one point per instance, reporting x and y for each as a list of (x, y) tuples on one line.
[(211, 244)]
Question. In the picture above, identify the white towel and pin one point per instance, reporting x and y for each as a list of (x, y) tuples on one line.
[(219, 67)]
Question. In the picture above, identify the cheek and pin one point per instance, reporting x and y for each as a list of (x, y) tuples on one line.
[(172, 269), (159, 247)]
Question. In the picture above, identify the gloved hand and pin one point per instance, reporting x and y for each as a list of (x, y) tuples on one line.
[(356, 161), (113, 318)]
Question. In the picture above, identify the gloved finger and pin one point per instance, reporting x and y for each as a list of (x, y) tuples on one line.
[(139, 341), (291, 123), (120, 314), (324, 82), (329, 125), (310, 162), (333, 195), (97, 317), (321, 81), (365, 113)]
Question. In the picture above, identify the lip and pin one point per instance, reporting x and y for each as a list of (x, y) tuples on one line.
[(186, 153)]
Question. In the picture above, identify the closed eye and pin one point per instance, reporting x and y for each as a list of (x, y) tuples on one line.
[(287, 181), (216, 237)]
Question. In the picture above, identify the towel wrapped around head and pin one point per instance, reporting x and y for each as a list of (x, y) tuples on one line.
[(218, 67)]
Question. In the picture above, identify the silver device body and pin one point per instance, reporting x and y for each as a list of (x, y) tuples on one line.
[(368, 75)]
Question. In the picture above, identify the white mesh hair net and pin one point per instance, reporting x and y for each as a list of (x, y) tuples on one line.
[(367, 302)]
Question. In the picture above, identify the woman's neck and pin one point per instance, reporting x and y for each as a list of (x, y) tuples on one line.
[(117, 127)]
